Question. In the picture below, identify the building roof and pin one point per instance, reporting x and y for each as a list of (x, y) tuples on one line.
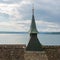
[(33, 28), (34, 44)]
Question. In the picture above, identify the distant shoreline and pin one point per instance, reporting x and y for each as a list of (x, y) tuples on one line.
[(27, 32)]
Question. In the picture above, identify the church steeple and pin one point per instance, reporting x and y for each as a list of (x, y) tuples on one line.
[(33, 28), (34, 44), (33, 9)]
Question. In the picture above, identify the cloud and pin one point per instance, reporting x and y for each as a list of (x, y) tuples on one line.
[(48, 26), (14, 10), (16, 14), (25, 26), (9, 1), (48, 10), (11, 26), (5, 0), (10, 9)]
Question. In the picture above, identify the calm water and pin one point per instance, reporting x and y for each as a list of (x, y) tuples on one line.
[(45, 39)]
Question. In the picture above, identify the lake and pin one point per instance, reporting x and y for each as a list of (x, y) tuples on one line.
[(23, 38)]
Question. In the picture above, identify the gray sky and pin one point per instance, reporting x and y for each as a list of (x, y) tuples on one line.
[(15, 15)]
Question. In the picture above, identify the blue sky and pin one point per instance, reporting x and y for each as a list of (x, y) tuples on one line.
[(15, 15)]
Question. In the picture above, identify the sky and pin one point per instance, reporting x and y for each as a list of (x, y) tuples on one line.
[(16, 15)]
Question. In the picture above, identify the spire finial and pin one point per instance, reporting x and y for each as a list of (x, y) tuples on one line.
[(33, 7), (33, 28)]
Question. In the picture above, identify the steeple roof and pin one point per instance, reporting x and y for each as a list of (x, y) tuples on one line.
[(34, 44), (33, 28)]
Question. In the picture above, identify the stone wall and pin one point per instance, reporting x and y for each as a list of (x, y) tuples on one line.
[(49, 53), (53, 52), (18, 52), (12, 52), (35, 55)]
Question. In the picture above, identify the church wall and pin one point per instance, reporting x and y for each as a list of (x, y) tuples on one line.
[(12, 52), (53, 52), (50, 53), (35, 55), (18, 52)]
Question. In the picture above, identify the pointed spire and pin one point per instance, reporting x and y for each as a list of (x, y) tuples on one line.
[(33, 28), (32, 9), (34, 44)]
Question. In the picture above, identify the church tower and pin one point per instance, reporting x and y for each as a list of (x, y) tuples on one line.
[(34, 44)]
